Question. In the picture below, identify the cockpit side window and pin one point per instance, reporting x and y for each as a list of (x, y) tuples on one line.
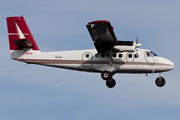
[(148, 54)]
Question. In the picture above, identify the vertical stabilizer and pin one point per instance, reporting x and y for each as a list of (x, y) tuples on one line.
[(19, 34)]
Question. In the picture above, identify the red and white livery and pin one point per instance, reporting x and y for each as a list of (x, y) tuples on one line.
[(110, 56)]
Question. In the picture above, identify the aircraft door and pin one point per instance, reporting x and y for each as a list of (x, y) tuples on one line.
[(149, 58), (87, 59)]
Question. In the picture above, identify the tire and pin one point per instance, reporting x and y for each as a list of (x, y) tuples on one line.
[(110, 83), (160, 83), (106, 75)]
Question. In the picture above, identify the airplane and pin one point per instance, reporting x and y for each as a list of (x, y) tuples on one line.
[(110, 56)]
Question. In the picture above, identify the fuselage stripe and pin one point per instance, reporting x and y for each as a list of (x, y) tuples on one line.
[(52, 62)]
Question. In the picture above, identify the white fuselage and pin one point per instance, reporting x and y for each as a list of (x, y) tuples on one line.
[(91, 61)]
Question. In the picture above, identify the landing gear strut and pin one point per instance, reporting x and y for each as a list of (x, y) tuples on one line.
[(160, 81), (107, 75)]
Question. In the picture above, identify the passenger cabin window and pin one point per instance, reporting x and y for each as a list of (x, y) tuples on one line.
[(136, 55), (87, 55), (107, 55), (102, 55), (130, 55), (114, 55), (120, 55), (96, 55)]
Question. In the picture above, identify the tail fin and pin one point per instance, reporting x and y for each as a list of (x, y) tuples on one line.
[(19, 34)]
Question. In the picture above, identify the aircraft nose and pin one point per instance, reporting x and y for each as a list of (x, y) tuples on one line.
[(166, 64), (170, 64)]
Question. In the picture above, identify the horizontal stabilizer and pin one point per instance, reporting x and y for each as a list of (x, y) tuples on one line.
[(23, 43)]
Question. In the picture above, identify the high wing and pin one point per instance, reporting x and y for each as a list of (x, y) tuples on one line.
[(102, 34), (105, 40)]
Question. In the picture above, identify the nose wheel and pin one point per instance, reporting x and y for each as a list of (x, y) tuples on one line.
[(107, 75), (160, 81)]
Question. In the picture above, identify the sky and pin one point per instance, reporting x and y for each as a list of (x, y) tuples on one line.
[(37, 92)]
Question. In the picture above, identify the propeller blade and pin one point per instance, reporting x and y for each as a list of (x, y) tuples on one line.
[(136, 39)]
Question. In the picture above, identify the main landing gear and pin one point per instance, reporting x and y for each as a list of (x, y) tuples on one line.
[(110, 82), (107, 75), (160, 81)]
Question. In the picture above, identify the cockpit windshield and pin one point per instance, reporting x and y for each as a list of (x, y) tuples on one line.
[(153, 53)]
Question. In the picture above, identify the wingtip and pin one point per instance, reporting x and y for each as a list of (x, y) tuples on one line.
[(99, 21)]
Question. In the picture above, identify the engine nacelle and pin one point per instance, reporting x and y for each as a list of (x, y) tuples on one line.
[(123, 48), (126, 46)]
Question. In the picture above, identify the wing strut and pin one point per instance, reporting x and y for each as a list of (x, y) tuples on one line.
[(110, 58), (112, 68)]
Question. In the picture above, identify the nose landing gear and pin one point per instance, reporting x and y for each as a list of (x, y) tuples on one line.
[(160, 81), (107, 75)]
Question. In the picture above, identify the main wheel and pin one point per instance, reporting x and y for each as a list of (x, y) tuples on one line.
[(160, 81), (110, 83), (106, 75)]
